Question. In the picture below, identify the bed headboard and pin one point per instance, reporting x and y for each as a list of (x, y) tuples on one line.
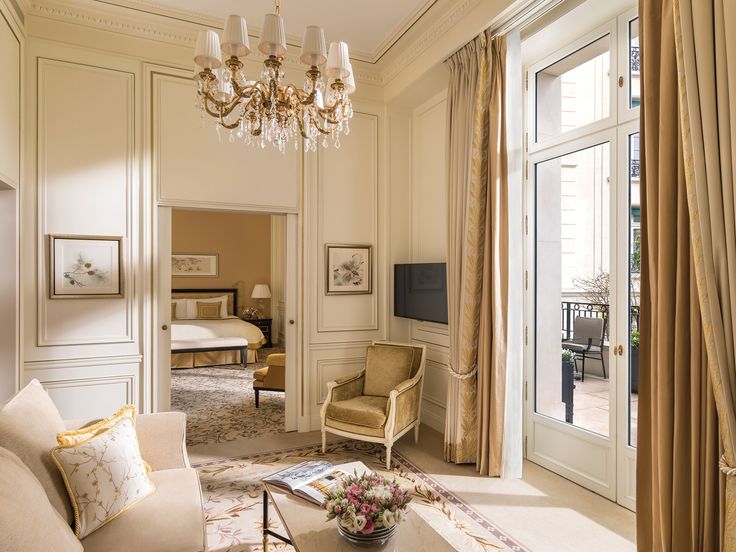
[(206, 293)]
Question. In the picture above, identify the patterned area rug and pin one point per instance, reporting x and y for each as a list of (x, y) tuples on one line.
[(232, 499), (220, 404)]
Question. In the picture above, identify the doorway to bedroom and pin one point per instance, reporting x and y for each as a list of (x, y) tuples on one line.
[(227, 302)]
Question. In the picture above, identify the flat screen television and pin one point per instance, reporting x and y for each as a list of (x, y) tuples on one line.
[(420, 291)]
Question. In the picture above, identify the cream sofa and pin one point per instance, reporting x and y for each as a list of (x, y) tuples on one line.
[(34, 510)]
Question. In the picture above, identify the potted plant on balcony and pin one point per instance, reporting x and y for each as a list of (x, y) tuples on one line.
[(568, 383), (634, 361)]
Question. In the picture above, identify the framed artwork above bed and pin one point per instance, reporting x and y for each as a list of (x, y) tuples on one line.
[(194, 264)]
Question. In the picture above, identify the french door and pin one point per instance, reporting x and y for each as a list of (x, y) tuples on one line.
[(582, 260)]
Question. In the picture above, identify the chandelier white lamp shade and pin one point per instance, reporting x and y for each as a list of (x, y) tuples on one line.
[(266, 110)]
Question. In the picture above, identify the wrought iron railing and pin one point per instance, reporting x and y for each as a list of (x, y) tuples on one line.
[(635, 168), (635, 61), (572, 309)]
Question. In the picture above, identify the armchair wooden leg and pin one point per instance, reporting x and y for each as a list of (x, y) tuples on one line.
[(257, 391), (416, 433), (388, 457), (324, 442)]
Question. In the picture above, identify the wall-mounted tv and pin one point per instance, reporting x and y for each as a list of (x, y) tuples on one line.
[(420, 291)]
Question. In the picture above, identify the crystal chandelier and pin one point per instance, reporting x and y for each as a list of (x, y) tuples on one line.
[(267, 110)]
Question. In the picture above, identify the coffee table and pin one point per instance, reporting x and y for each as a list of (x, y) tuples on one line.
[(309, 531)]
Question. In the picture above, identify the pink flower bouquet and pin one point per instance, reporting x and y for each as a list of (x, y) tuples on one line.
[(367, 503)]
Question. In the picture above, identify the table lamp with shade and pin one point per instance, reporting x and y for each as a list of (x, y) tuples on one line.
[(261, 292)]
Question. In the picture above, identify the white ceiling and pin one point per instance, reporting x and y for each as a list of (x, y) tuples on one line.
[(370, 27)]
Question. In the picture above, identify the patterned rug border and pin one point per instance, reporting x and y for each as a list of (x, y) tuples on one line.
[(439, 487)]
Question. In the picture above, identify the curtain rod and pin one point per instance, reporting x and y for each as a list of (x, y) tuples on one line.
[(533, 10)]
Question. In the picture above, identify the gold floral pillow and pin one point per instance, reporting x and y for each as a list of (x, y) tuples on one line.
[(104, 475), (85, 432), (88, 431)]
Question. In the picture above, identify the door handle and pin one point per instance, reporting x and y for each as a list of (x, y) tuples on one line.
[(291, 322), (619, 351), (164, 327)]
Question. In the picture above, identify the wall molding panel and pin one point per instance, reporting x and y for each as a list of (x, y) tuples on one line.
[(58, 194)]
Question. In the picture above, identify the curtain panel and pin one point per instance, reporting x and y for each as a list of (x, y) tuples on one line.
[(477, 259), (679, 486), (706, 62)]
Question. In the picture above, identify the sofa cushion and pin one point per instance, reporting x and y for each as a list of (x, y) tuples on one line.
[(386, 366), (363, 410), (170, 520), (28, 522), (357, 429), (104, 475), (29, 423)]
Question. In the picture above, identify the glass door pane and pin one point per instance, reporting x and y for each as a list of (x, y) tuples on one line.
[(573, 246), (634, 65), (634, 223), (574, 91)]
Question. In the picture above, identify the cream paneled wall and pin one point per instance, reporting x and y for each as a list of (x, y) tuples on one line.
[(194, 165), (429, 242), (346, 204), (84, 159)]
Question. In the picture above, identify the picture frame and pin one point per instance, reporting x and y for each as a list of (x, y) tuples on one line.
[(348, 269), (85, 267), (195, 265)]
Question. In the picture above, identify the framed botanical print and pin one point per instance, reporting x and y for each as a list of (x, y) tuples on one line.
[(193, 264), (349, 269), (85, 267)]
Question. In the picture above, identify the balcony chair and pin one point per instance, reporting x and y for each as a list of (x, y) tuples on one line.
[(588, 336), (380, 403)]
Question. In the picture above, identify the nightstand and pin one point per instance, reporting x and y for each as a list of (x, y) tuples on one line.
[(265, 325)]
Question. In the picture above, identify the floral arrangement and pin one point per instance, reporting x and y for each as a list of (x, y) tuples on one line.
[(251, 312), (365, 503)]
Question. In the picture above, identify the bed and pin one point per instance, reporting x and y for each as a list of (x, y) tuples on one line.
[(192, 330)]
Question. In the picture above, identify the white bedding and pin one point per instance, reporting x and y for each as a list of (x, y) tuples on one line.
[(232, 326)]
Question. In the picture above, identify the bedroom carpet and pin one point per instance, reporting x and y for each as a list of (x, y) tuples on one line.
[(220, 404)]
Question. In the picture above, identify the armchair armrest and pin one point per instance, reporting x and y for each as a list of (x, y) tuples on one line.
[(403, 405), (342, 389), (346, 387)]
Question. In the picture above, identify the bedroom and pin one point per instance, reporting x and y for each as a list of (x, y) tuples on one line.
[(227, 323)]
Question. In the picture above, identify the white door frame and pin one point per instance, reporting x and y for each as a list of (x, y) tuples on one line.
[(544, 433), (582, 456), (161, 313)]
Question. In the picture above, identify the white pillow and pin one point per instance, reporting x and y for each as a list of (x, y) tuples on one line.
[(104, 476), (181, 308), (192, 306)]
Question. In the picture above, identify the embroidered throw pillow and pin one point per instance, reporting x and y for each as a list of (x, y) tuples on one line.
[(208, 310), (90, 430), (104, 475)]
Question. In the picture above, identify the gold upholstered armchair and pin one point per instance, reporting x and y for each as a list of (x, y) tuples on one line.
[(380, 403)]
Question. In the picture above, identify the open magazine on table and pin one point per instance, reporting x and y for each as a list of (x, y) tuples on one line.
[(313, 480)]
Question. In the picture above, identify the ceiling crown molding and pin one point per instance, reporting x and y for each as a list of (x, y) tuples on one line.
[(101, 15), (154, 8), (429, 37)]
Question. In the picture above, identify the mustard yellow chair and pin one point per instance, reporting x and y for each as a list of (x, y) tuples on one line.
[(272, 377), (380, 403)]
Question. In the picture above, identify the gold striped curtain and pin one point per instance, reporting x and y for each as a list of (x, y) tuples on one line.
[(688, 239), (477, 254)]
